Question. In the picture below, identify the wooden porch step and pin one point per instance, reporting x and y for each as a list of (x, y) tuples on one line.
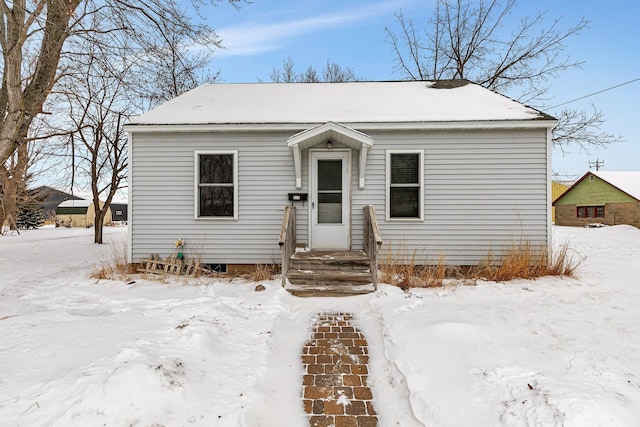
[(330, 260), (329, 277), (327, 290), (332, 257), (317, 273)]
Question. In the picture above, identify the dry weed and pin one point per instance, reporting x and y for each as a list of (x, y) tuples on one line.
[(523, 260), (116, 266), (263, 272), (401, 270)]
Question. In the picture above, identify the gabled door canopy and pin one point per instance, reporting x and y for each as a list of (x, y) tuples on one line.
[(334, 132)]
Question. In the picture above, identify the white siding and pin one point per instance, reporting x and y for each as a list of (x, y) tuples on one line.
[(483, 190), (162, 196)]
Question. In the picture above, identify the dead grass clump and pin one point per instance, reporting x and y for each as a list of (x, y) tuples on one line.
[(263, 272), (563, 262), (524, 261), (402, 271), (520, 261), (115, 266)]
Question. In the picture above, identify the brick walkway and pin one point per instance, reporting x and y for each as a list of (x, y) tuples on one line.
[(335, 391)]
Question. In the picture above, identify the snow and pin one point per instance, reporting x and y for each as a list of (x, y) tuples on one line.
[(75, 204), (76, 351), (353, 102), (627, 181)]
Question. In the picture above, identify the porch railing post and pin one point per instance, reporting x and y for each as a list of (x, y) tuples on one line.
[(287, 239), (372, 241)]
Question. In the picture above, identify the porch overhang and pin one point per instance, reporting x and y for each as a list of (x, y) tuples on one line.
[(333, 132)]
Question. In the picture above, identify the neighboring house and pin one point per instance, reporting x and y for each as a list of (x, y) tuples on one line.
[(119, 212), (452, 169), (49, 198), (79, 213), (557, 189), (605, 197)]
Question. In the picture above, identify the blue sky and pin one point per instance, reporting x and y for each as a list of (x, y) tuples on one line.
[(263, 34)]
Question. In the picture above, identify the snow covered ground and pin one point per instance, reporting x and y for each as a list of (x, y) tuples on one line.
[(75, 351)]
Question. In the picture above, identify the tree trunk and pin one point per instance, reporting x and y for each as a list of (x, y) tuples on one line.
[(13, 178), (98, 223), (9, 204), (21, 105)]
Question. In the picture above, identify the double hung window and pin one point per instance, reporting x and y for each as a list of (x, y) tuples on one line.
[(217, 184), (404, 184)]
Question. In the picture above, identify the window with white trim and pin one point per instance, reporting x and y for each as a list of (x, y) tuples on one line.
[(216, 184), (404, 184)]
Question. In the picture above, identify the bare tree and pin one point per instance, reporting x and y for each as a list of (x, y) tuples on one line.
[(98, 108), (168, 67), (112, 86), (581, 128), (34, 33), (285, 75), (15, 175), (480, 42), (331, 73)]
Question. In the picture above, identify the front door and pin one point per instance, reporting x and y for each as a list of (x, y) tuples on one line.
[(329, 180)]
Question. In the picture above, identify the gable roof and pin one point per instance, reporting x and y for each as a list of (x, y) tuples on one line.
[(626, 181), (353, 102), (45, 192)]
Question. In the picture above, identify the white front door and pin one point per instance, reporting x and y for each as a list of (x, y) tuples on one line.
[(330, 184)]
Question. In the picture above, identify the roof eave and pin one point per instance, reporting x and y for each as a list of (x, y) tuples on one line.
[(538, 123)]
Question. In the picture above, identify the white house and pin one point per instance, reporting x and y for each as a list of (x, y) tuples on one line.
[(452, 169)]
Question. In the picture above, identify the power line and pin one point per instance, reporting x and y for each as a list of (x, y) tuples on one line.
[(595, 93)]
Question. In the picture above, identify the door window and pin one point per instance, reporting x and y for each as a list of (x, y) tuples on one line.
[(329, 181)]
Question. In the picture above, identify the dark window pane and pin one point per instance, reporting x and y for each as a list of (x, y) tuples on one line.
[(216, 201), (329, 197), (329, 175), (405, 168), (405, 202), (216, 168), (600, 212), (582, 212)]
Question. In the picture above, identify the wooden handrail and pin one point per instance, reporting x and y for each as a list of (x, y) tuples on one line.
[(372, 241), (287, 239)]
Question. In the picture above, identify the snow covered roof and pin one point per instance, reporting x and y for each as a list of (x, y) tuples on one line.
[(627, 181), (353, 102), (75, 204)]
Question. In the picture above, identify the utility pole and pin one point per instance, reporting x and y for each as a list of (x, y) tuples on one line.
[(597, 164)]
